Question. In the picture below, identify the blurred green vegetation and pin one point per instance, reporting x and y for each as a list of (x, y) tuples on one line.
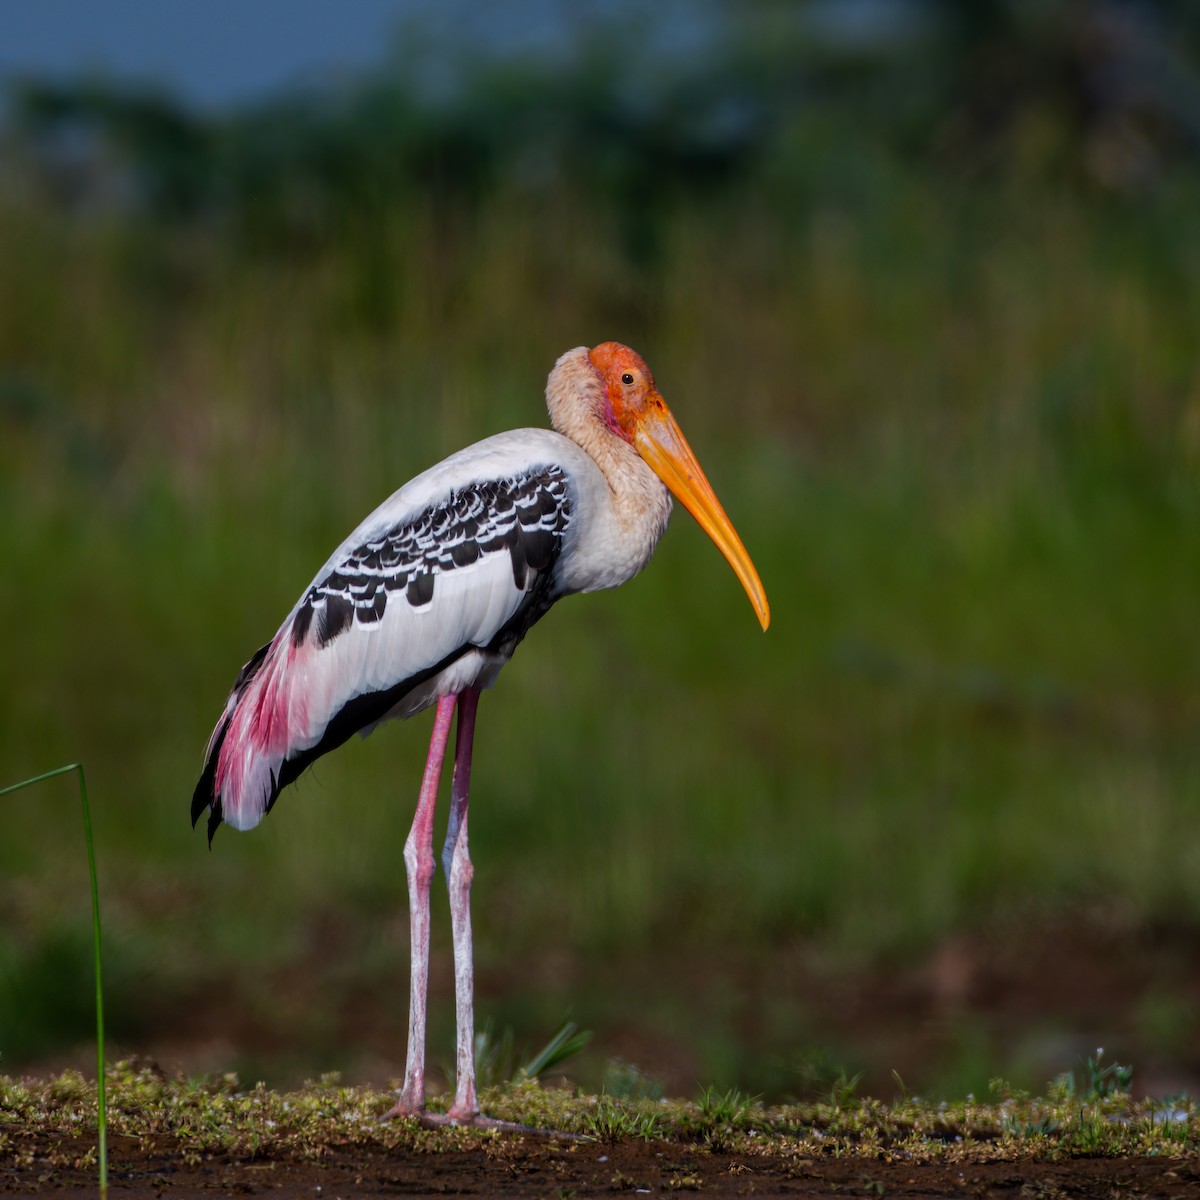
[(941, 364)]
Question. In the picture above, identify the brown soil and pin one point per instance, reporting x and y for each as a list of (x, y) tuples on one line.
[(1092, 981), (546, 1167)]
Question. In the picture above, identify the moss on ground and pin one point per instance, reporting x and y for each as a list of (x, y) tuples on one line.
[(221, 1115)]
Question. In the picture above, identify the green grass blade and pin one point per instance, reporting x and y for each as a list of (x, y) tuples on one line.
[(566, 1043), (101, 1091)]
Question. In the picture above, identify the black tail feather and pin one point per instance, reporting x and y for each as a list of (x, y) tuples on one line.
[(205, 794)]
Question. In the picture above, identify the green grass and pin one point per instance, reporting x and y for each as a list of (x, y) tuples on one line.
[(65, 991), (958, 432), (221, 1116)]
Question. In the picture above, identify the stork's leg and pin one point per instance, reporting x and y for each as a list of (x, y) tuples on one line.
[(418, 858), (456, 861)]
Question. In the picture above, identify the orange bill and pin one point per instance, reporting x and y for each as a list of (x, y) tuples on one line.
[(659, 440)]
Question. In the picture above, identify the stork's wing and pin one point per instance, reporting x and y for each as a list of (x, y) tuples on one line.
[(524, 515), (409, 604)]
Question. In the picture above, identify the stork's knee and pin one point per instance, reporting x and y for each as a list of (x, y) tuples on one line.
[(420, 865)]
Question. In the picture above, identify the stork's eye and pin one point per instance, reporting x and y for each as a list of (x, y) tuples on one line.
[(627, 379)]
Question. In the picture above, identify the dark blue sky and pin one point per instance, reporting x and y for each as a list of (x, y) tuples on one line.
[(213, 53), (229, 51)]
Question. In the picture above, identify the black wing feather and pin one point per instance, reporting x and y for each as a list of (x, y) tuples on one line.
[(525, 514)]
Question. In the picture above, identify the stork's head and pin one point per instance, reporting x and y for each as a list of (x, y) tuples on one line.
[(629, 403), (629, 389)]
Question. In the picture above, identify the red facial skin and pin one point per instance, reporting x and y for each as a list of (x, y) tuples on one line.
[(628, 402), (635, 410)]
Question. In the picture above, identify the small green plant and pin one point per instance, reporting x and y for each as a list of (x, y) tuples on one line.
[(844, 1091), (730, 1108), (1105, 1079), (723, 1115), (567, 1042), (101, 1106), (1100, 1080), (1046, 1126), (615, 1119), (495, 1056)]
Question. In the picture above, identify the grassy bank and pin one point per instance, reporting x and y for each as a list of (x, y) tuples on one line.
[(958, 430), (206, 1117)]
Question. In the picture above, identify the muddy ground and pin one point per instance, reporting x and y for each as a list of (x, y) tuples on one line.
[(895, 1018), (529, 1166)]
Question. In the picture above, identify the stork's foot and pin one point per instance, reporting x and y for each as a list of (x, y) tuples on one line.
[(403, 1108), (469, 1120), (410, 1101), (472, 1120)]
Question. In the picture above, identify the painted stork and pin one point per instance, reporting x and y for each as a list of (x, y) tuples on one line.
[(428, 598)]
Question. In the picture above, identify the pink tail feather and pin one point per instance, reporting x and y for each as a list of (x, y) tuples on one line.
[(251, 742)]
